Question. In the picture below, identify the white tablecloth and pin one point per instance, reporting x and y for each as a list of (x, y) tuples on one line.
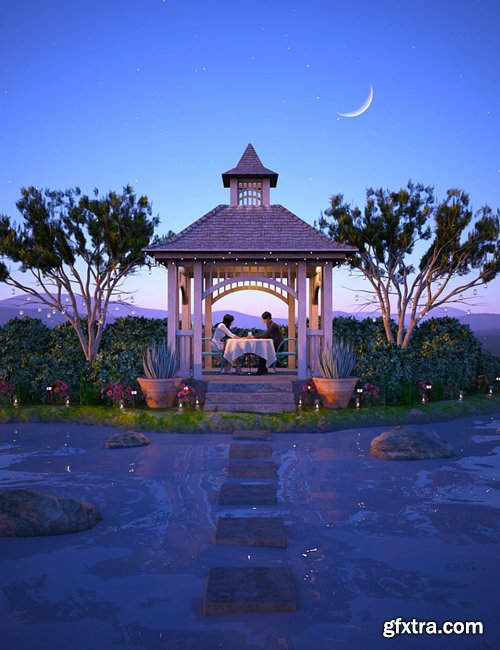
[(262, 347)]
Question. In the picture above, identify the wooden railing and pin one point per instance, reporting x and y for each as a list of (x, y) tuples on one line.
[(314, 343), (185, 351)]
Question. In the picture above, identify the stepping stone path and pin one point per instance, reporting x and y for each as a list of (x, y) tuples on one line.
[(250, 451), (250, 589), (252, 469), (249, 494), (252, 435), (251, 531), (258, 589)]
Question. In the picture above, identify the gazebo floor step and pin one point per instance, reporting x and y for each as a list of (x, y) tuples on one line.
[(242, 386), (249, 408), (251, 398)]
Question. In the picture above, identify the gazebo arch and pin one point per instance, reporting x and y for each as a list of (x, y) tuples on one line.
[(248, 288), (249, 244)]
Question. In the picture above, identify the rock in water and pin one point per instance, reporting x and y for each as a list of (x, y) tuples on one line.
[(403, 443), (126, 439), (25, 513)]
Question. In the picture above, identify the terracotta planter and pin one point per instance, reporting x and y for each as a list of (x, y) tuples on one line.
[(335, 393), (160, 393)]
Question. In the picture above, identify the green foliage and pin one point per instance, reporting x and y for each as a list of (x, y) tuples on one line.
[(337, 361), (462, 244), (26, 359), (123, 344), (63, 232), (442, 350), (160, 361), (447, 352), (68, 358)]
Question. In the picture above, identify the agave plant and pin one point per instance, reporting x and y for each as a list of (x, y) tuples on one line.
[(337, 361), (160, 361)]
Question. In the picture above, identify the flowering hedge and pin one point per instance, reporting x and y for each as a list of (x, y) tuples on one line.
[(442, 350), (7, 392), (117, 394)]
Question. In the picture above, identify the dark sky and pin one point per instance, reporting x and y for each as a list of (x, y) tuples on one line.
[(165, 95)]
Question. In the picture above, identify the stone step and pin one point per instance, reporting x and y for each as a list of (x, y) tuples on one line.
[(256, 450), (251, 531), (250, 494), (257, 434), (235, 590), (252, 468), (251, 398), (249, 408), (245, 387)]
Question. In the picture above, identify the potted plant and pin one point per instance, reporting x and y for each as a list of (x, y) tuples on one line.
[(160, 383), (336, 385)]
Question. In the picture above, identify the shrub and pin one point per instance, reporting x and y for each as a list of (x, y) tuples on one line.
[(27, 360), (446, 352), (69, 359), (123, 344)]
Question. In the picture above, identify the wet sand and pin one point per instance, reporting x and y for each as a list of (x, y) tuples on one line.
[(368, 541)]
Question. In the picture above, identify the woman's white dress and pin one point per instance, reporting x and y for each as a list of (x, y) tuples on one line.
[(220, 332)]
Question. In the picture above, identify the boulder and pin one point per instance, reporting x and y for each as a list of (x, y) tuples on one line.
[(126, 439), (25, 513), (403, 443)]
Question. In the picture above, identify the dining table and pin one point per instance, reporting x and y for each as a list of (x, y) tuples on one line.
[(261, 347)]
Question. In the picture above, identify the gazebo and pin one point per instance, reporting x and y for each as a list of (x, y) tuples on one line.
[(250, 244)]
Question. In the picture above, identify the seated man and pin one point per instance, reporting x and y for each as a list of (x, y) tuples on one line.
[(273, 332)]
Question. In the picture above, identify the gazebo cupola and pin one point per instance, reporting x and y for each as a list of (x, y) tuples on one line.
[(250, 181)]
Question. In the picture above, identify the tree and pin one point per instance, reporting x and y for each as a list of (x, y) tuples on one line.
[(463, 247), (75, 245)]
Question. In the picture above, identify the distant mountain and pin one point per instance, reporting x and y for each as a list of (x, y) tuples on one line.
[(12, 308)]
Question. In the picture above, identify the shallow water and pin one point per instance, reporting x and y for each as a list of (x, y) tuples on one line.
[(368, 541)]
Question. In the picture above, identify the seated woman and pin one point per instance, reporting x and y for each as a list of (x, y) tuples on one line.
[(222, 331)]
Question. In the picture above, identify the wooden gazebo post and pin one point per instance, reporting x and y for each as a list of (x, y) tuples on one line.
[(197, 318), (173, 304)]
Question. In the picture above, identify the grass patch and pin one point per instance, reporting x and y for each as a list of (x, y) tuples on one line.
[(170, 421)]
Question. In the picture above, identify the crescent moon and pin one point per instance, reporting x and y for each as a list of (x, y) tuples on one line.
[(363, 108)]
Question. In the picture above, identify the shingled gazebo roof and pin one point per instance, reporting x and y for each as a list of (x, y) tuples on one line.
[(250, 229), (260, 231), (250, 166)]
